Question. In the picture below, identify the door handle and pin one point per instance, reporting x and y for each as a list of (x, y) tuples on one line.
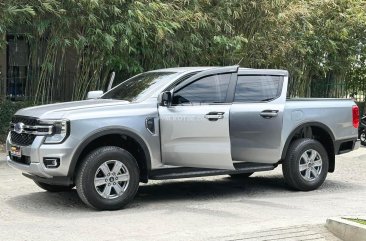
[(214, 116), (267, 114)]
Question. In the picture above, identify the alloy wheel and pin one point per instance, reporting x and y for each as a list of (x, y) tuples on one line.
[(363, 137), (111, 179), (310, 165)]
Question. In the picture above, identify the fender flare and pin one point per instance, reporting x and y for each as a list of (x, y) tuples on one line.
[(301, 126), (103, 132)]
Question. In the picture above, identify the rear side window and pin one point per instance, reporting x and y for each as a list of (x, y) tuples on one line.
[(210, 89), (254, 88)]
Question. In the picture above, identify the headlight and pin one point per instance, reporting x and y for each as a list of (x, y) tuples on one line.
[(60, 131)]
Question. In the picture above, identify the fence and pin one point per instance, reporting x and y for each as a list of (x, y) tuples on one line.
[(319, 89)]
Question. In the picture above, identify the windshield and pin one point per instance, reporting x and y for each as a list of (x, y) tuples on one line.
[(137, 87)]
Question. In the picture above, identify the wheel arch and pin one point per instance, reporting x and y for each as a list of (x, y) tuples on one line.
[(104, 134), (319, 132)]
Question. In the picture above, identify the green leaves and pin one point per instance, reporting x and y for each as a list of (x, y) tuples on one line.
[(20, 9), (315, 40)]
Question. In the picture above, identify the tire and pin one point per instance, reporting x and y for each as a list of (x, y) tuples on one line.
[(107, 164), (363, 137), (241, 175), (301, 152), (53, 188)]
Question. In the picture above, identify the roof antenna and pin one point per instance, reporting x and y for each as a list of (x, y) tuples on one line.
[(240, 61)]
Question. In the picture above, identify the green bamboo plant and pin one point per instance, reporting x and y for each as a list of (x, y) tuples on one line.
[(75, 44)]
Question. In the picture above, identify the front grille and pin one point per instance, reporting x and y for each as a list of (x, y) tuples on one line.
[(21, 139)]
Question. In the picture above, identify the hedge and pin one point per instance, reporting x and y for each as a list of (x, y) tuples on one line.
[(7, 110)]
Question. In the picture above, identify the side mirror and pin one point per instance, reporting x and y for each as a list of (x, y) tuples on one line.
[(165, 99), (94, 94)]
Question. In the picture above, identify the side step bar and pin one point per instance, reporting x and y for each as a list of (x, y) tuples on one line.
[(187, 172)]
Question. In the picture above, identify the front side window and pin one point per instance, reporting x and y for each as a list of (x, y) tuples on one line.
[(256, 88), (207, 90)]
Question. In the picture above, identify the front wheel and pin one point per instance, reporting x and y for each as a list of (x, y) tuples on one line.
[(108, 178), (306, 165)]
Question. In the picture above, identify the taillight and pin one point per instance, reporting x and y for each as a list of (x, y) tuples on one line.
[(355, 116)]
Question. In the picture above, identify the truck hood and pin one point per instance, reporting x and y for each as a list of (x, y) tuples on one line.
[(59, 110)]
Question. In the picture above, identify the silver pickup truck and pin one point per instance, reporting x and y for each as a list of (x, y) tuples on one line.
[(180, 123)]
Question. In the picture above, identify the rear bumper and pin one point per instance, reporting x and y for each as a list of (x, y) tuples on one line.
[(346, 145)]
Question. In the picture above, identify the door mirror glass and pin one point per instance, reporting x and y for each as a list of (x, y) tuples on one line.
[(94, 94), (165, 99)]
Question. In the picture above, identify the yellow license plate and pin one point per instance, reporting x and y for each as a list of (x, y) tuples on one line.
[(15, 151)]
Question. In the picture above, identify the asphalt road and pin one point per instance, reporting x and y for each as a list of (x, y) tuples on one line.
[(211, 208)]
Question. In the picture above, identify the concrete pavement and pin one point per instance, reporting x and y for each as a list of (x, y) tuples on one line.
[(292, 233), (207, 208), (2, 156)]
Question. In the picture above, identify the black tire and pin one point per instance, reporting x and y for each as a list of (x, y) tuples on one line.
[(241, 175), (290, 167), (87, 171), (363, 137), (54, 188)]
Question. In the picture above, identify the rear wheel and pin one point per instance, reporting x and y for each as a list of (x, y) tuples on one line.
[(53, 188), (108, 178), (363, 138), (241, 175), (306, 165)]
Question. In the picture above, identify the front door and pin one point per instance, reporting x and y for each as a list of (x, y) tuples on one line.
[(195, 128)]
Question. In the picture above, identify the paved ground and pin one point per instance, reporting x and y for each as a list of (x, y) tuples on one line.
[(213, 208), (2, 156)]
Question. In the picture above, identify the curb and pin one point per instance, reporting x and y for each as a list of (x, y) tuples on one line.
[(346, 230)]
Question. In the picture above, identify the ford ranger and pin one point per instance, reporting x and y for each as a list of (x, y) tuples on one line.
[(181, 123)]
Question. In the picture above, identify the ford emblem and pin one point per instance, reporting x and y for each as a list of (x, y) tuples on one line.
[(19, 127)]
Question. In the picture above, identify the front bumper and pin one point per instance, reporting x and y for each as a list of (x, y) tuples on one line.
[(38, 151), (61, 181), (33, 168)]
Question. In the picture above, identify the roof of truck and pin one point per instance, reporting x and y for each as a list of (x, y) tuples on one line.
[(241, 70), (184, 69)]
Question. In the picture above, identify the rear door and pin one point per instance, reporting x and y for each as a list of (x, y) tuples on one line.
[(256, 117), (195, 128)]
